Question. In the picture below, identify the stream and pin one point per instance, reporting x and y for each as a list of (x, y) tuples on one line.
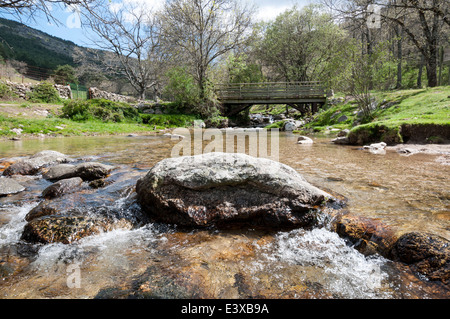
[(409, 193)]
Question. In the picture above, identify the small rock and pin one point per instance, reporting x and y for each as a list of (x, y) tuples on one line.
[(304, 140), (376, 148), (62, 187), (343, 133), (343, 140), (290, 126), (87, 171), (174, 136), (342, 118)]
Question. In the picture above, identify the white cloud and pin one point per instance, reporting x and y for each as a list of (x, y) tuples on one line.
[(270, 12)]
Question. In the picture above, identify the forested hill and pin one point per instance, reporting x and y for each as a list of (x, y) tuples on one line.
[(36, 48), (39, 49)]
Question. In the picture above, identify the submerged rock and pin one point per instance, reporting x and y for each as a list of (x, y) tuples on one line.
[(87, 171), (219, 189), (9, 186), (427, 254), (67, 229)]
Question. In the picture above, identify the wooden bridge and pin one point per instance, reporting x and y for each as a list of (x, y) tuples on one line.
[(303, 96)]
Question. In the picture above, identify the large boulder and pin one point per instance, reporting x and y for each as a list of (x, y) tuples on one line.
[(223, 189)]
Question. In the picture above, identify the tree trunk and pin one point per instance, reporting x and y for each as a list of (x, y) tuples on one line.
[(419, 76), (142, 94), (432, 67), (399, 57)]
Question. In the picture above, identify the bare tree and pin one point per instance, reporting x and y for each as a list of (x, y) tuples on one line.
[(421, 21), (28, 9), (206, 30), (131, 31)]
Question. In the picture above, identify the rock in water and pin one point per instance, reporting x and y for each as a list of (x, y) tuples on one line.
[(428, 254), (87, 171), (31, 165), (62, 187), (9, 186), (222, 189)]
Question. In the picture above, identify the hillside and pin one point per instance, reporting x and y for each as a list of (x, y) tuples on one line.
[(41, 50)]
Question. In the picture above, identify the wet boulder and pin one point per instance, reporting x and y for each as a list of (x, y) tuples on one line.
[(87, 171), (31, 165), (9, 186), (62, 187), (427, 254), (68, 229), (224, 189), (368, 236)]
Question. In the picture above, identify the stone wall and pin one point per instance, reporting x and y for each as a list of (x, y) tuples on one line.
[(21, 89), (95, 93)]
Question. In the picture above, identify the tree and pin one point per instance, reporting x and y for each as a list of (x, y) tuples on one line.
[(131, 31), (65, 74), (241, 70), (303, 45), (29, 8), (421, 21), (205, 30)]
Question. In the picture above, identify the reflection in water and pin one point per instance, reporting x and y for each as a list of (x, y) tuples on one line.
[(410, 193)]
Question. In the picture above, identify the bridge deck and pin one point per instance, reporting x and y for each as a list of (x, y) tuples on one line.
[(271, 93)]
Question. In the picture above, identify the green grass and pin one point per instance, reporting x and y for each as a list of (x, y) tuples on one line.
[(168, 120), (424, 106), (65, 127), (84, 118)]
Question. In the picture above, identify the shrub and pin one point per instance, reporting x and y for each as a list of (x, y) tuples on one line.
[(44, 93), (100, 109), (168, 120), (6, 92)]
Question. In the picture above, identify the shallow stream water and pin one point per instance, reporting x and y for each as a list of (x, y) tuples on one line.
[(409, 193)]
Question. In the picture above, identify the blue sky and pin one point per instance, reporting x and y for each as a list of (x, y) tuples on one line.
[(69, 28)]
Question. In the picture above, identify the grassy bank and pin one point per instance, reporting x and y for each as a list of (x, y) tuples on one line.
[(399, 116), (18, 118)]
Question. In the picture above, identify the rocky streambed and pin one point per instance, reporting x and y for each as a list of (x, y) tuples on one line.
[(211, 226)]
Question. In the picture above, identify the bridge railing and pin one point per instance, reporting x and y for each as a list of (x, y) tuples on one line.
[(269, 90)]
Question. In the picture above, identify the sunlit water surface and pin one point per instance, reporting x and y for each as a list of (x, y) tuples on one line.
[(408, 193)]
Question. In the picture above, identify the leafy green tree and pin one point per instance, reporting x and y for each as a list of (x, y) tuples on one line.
[(240, 70), (304, 45), (65, 74), (182, 87)]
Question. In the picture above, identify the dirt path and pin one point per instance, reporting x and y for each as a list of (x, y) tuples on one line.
[(27, 110)]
